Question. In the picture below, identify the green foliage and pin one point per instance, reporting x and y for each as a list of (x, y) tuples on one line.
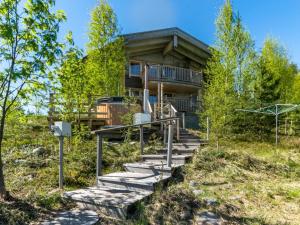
[(29, 46), (73, 88), (105, 62), (276, 75), (229, 70)]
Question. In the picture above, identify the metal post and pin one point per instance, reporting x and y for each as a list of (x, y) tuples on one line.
[(178, 129), (99, 156), (170, 141), (183, 120), (165, 133), (276, 125), (61, 166), (207, 128), (142, 139)]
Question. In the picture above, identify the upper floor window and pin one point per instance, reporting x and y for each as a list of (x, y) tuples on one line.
[(135, 69)]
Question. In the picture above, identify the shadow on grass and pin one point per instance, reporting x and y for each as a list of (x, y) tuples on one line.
[(16, 211)]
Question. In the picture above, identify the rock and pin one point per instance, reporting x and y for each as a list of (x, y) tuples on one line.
[(20, 161), (193, 184), (198, 192), (39, 151), (185, 215), (208, 218), (211, 202), (132, 142)]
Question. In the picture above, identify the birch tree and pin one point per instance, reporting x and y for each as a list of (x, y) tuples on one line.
[(105, 63), (28, 46), (229, 71)]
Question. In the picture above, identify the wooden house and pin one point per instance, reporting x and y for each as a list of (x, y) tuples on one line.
[(175, 62)]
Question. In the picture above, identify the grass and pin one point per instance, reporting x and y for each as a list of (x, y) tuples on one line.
[(252, 181)]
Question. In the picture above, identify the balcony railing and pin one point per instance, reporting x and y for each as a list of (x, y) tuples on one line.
[(175, 74), (183, 104)]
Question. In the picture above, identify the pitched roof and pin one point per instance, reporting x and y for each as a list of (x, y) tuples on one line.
[(167, 40)]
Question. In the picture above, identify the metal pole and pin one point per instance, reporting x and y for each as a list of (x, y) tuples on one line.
[(276, 125), (61, 166), (207, 128), (142, 139), (183, 120), (99, 157), (165, 133), (178, 129), (170, 141)]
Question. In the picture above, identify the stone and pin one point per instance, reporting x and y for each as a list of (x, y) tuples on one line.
[(39, 151), (208, 218), (185, 215), (132, 142), (74, 217), (193, 184), (198, 192), (211, 202), (20, 161)]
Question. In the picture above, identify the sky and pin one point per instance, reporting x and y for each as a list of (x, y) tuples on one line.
[(262, 18)]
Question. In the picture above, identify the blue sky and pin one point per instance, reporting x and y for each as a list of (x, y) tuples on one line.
[(276, 18)]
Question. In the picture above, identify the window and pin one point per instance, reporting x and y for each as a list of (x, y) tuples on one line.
[(135, 69)]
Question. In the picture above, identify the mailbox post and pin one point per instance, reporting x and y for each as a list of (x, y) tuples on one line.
[(61, 129)]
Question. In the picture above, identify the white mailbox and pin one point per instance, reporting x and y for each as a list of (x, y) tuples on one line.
[(62, 129), (140, 118)]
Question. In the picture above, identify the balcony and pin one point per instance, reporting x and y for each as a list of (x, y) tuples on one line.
[(175, 75)]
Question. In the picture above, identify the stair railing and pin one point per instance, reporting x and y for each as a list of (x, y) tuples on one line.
[(108, 131)]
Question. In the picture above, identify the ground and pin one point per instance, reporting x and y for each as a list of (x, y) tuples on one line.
[(242, 182)]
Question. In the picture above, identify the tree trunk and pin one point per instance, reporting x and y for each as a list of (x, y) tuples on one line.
[(3, 192)]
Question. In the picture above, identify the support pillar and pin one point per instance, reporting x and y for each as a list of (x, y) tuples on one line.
[(170, 142), (99, 157), (276, 120), (142, 139), (61, 165)]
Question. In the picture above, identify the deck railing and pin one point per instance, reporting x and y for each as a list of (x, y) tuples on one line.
[(175, 74)]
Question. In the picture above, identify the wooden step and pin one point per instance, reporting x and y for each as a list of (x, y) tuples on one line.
[(113, 202), (131, 181), (162, 158), (177, 152), (150, 168)]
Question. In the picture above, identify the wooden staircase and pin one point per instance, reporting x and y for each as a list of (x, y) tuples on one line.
[(116, 194)]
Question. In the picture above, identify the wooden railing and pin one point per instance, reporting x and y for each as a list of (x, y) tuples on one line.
[(183, 104), (175, 74)]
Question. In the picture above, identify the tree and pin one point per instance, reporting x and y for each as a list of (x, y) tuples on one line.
[(276, 75), (230, 71), (73, 87), (28, 39), (105, 63)]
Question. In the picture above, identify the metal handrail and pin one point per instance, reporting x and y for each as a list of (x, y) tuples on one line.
[(134, 125)]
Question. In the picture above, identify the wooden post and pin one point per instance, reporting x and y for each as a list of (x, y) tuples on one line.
[(162, 104), (61, 165), (142, 139), (207, 128), (178, 129), (158, 98), (183, 120), (99, 157), (276, 120), (89, 111), (285, 126), (170, 141), (51, 108)]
